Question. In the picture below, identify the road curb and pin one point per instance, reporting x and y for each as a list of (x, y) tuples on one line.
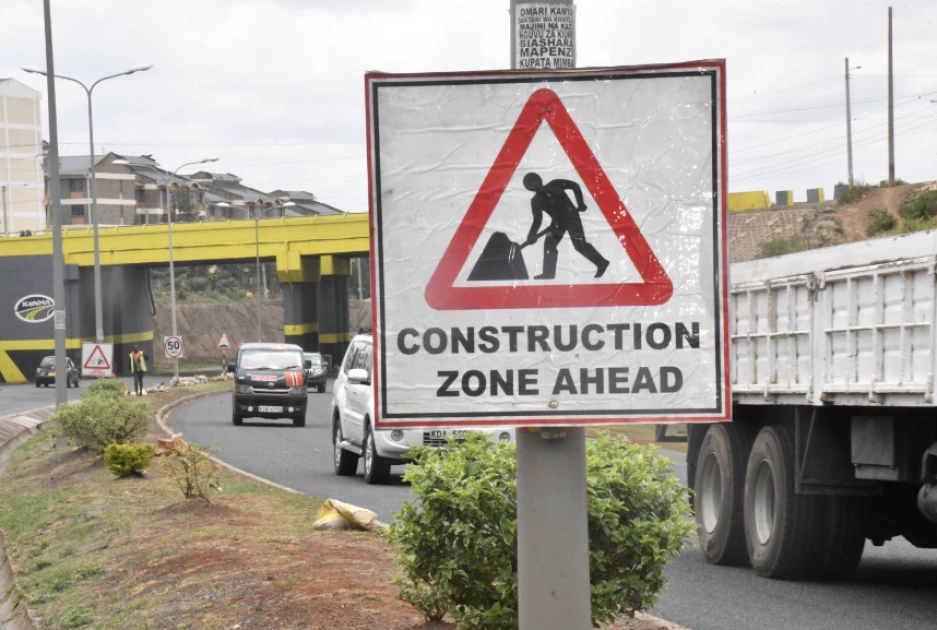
[(16, 429)]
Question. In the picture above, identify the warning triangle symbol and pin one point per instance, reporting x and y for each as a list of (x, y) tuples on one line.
[(97, 360), (223, 342), (545, 106)]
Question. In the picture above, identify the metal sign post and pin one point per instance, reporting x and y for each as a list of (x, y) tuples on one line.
[(562, 271)]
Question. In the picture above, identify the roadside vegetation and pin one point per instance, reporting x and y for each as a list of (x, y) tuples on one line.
[(457, 540)]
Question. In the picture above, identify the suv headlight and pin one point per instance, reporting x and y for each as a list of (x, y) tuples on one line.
[(242, 389), (297, 391)]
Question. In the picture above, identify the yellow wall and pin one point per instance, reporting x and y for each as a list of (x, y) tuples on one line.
[(753, 200)]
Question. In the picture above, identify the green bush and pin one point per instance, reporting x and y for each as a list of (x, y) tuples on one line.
[(107, 387), (194, 471), (782, 246), (922, 205), (854, 193), (880, 221), (907, 226), (457, 542), (128, 459), (94, 422)]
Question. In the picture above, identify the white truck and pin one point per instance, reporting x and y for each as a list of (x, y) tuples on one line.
[(834, 439)]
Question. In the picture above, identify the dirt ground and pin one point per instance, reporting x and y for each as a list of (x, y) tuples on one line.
[(90, 550), (855, 217)]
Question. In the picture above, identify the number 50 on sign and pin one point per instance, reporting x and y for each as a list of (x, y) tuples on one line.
[(173, 347)]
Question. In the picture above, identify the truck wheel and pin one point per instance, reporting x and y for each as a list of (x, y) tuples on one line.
[(346, 462), (376, 470), (299, 421), (660, 432), (237, 420), (719, 485), (784, 530), (844, 539), (322, 388)]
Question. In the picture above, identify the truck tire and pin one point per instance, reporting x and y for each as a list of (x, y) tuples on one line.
[(719, 486), (237, 420), (660, 432), (345, 462), (844, 540), (299, 421), (376, 469), (784, 531)]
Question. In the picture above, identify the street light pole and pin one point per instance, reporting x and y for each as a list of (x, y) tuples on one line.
[(58, 262), (258, 289), (98, 308), (172, 269)]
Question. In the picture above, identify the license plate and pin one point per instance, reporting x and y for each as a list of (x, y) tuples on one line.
[(264, 409), (441, 434)]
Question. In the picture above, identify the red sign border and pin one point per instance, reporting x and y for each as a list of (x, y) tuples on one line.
[(725, 395)]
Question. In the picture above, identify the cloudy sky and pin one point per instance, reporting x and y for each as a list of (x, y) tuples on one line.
[(274, 87)]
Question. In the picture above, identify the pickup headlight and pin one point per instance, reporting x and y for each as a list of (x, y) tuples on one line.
[(297, 391), (242, 389)]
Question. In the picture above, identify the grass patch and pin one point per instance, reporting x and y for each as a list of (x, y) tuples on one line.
[(782, 246), (92, 550), (854, 193)]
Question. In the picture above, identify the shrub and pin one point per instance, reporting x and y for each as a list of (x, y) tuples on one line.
[(96, 421), (193, 470), (457, 543), (880, 220), (922, 205), (907, 226), (782, 246), (106, 387), (128, 459), (854, 193)]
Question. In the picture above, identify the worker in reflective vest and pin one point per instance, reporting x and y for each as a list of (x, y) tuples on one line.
[(137, 369)]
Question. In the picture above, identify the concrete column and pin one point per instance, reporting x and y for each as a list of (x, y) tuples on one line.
[(300, 315), (334, 333)]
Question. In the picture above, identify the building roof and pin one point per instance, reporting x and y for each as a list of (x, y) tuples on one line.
[(229, 185), (294, 195), (76, 165)]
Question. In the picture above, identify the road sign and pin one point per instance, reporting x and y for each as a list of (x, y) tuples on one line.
[(97, 360), (554, 246), (224, 343), (173, 347)]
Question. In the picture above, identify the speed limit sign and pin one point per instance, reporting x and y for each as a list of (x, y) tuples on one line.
[(173, 347)]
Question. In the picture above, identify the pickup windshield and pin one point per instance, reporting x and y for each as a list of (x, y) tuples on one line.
[(270, 360)]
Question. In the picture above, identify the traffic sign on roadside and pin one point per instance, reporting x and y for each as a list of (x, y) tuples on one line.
[(224, 343), (554, 246), (173, 347), (97, 360)]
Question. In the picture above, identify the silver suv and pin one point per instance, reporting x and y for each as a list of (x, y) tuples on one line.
[(353, 434)]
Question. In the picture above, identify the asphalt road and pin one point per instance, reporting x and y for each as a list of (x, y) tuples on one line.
[(19, 398), (896, 586)]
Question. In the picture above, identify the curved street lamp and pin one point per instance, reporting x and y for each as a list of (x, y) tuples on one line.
[(288, 204), (98, 310)]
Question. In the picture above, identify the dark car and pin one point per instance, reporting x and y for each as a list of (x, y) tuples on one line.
[(316, 371), (45, 373), (270, 382)]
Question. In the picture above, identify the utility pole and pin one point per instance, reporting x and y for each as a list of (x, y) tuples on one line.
[(891, 109), (58, 262), (848, 125), (552, 514)]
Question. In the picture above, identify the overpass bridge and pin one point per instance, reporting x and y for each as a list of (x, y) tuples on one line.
[(312, 257)]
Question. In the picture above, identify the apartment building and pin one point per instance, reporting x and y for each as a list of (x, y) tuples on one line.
[(21, 181)]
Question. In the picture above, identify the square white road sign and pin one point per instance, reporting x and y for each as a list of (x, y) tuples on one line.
[(549, 248)]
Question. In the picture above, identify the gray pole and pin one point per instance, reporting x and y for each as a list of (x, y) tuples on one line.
[(3, 200), (848, 124), (552, 523), (891, 110), (55, 195), (257, 288), (172, 269), (98, 308)]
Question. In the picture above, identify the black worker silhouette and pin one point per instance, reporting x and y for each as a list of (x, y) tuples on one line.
[(551, 198)]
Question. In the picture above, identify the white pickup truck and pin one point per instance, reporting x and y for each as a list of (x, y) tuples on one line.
[(834, 439)]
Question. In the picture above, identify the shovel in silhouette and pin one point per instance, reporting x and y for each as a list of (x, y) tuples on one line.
[(501, 260)]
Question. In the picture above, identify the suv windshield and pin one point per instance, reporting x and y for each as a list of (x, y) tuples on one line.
[(315, 359), (270, 360), (48, 362)]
